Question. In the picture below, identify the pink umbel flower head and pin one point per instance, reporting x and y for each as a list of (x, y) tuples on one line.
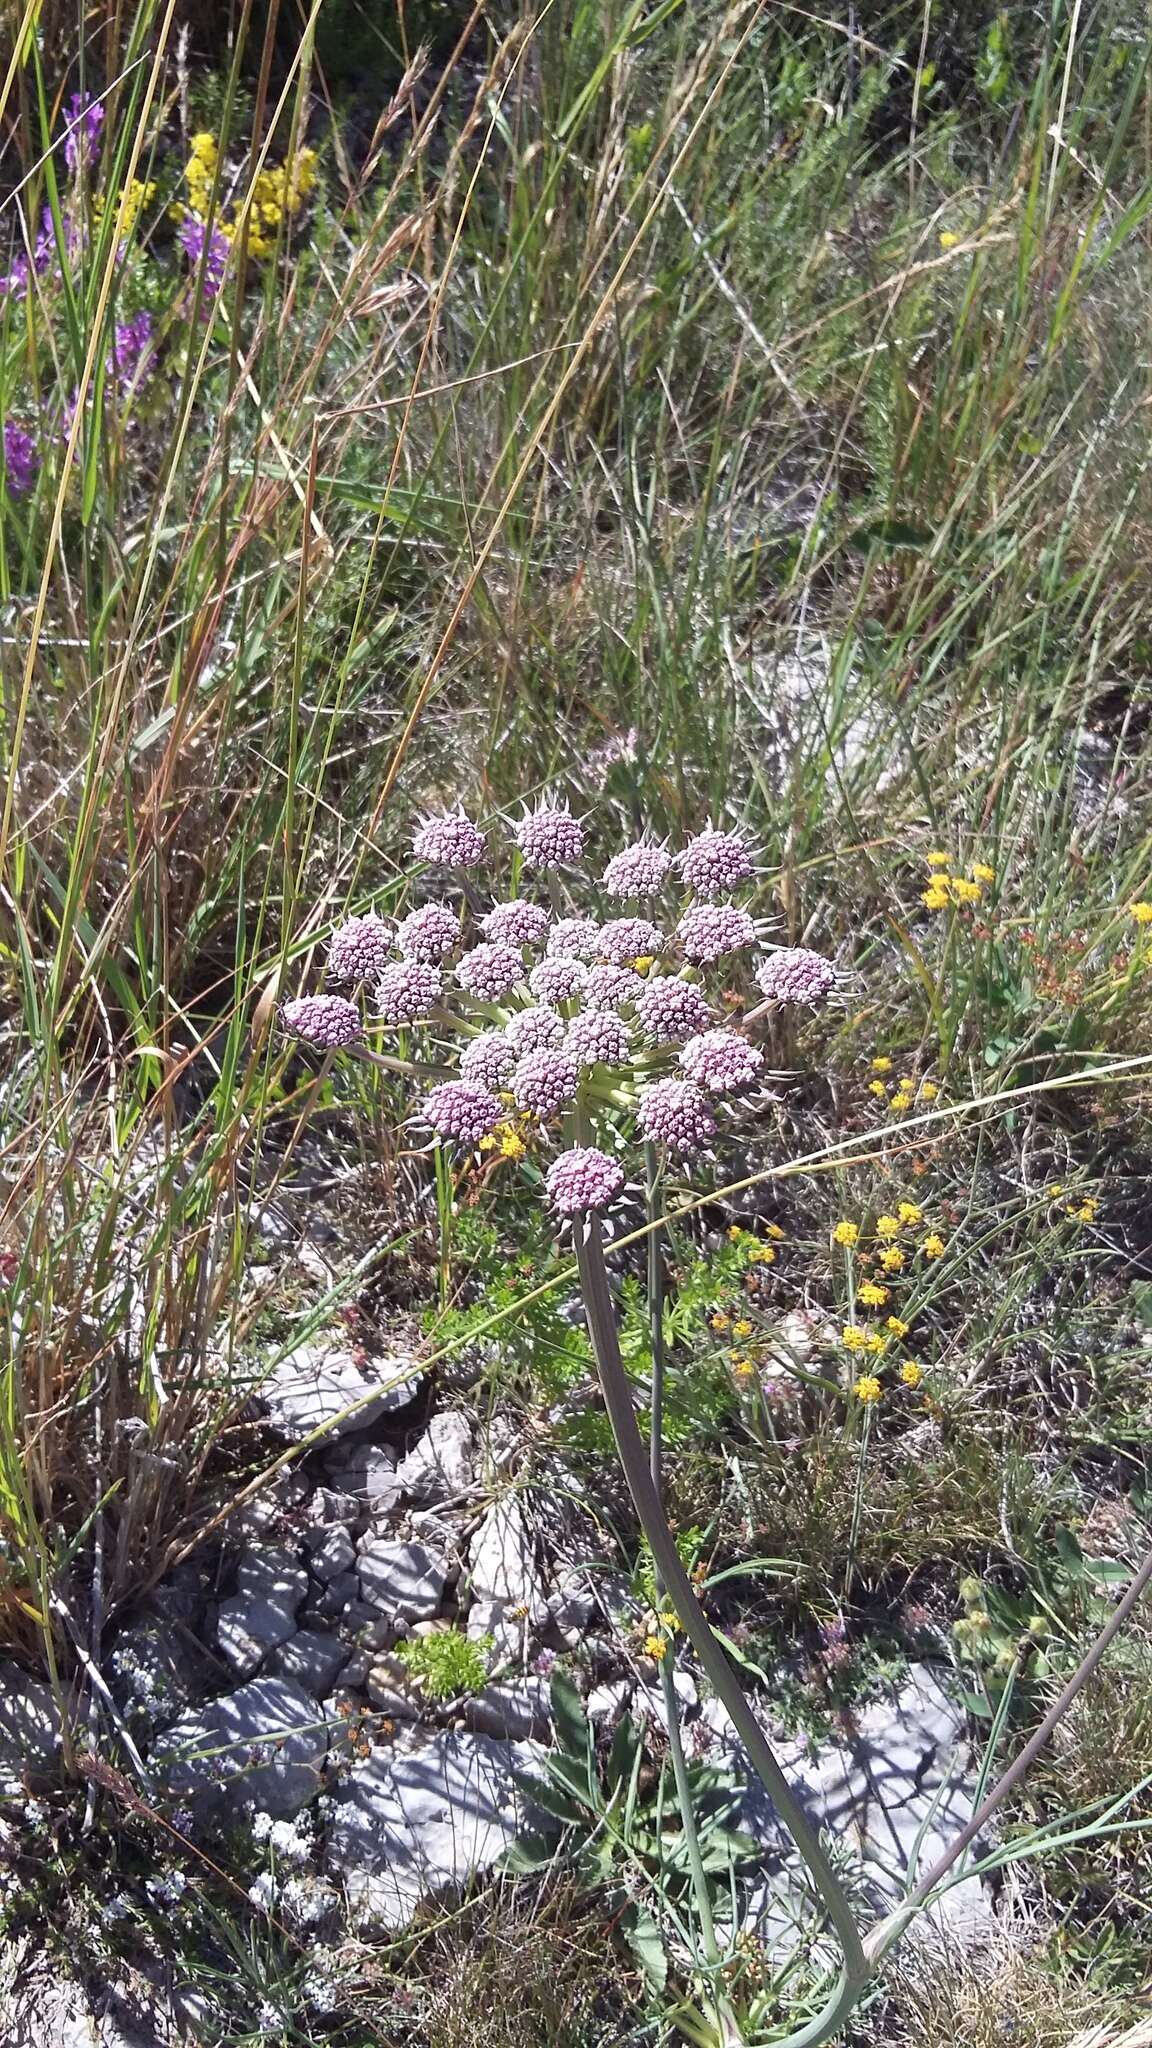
[(558, 980), (721, 1061), (612, 988), (796, 975), (488, 972), (529, 1030), (550, 837), (359, 949), (406, 991), (460, 1110), (428, 934), (545, 1081), (517, 923), (488, 1061), (670, 1010), (327, 1021), (598, 1038), (575, 938), (452, 842), (624, 939), (638, 871), (583, 1179), (715, 863), (709, 930), (674, 1113)]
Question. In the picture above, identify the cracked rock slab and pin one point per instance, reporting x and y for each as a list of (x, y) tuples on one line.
[(402, 1578), (328, 1386), (262, 1746)]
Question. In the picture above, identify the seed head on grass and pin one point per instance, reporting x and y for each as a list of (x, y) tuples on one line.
[(326, 1021)]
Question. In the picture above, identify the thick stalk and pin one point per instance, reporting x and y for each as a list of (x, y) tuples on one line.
[(668, 1661), (618, 1401)]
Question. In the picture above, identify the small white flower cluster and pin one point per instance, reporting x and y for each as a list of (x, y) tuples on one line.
[(592, 1019)]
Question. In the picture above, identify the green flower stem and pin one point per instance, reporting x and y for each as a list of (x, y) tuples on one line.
[(618, 1401), (668, 1661)]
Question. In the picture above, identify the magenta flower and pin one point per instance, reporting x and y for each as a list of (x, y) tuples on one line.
[(532, 1030), (406, 991), (85, 117), (715, 863), (583, 1179), (598, 1038), (205, 246), (624, 939), (360, 949), (550, 837), (458, 1109), (515, 924), (488, 972), (709, 930), (670, 1010), (428, 934), (326, 1021), (674, 1113), (488, 1061), (721, 1061), (452, 842), (610, 988), (795, 975), (129, 344), (575, 938), (557, 980), (637, 871), (545, 1081)]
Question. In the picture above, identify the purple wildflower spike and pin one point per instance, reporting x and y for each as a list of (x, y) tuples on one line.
[(21, 459), (85, 117)]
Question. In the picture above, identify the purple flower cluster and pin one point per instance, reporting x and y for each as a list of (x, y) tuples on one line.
[(796, 975), (517, 923), (204, 245), (583, 1179), (550, 837), (85, 117), (545, 1081), (670, 1010), (406, 991), (674, 1113), (428, 934), (624, 939), (458, 1109), (721, 1061), (639, 871), (558, 980), (598, 1038), (489, 1061), (326, 1021), (129, 344), (359, 950), (609, 988), (709, 930), (715, 863), (575, 938), (488, 972), (534, 1030), (21, 459)]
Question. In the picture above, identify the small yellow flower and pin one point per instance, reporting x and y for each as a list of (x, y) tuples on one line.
[(878, 1088), (911, 1373), (512, 1145), (734, 1233), (720, 1321), (1141, 911), (876, 1344), (853, 1337), (909, 1213), (742, 1328), (774, 1231), (743, 1368), (1057, 1188), (899, 1103), (928, 1091), (881, 1064), (867, 1389), (655, 1646), (935, 898), (643, 962), (203, 147), (887, 1226), (933, 1246), (948, 239), (669, 1621), (1085, 1212), (963, 891), (872, 1295), (892, 1258), (846, 1233), (899, 1329), (936, 859), (763, 1255), (982, 872)]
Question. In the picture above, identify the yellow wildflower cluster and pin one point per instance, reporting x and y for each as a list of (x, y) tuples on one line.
[(1085, 1211), (507, 1140), (277, 192), (656, 1646), (911, 1373), (1141, 911), (137, 196), (846, 1233), (945, 889), (855, 1337), (867, 1389), (872, 1295)]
